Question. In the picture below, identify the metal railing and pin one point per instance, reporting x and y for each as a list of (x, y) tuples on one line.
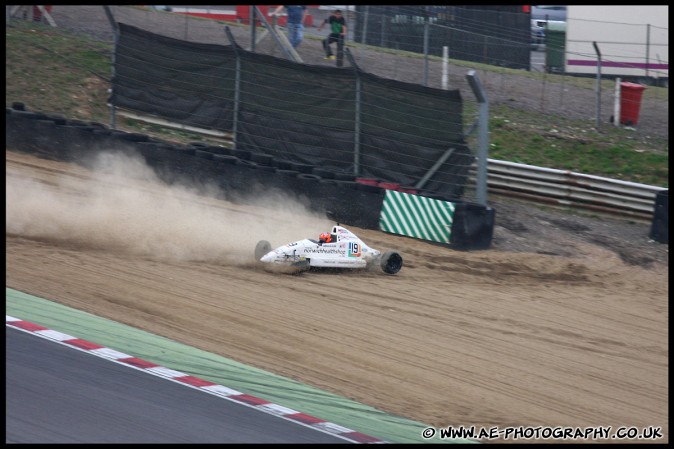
[(567, 188)]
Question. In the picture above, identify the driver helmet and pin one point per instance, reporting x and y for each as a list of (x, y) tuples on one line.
[(325, 237)]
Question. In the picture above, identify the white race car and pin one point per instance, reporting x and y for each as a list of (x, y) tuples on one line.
[(338, 249)]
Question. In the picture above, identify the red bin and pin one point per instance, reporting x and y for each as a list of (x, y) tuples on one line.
[(630, 102)]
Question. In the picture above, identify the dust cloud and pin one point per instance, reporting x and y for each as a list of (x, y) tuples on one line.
[(121, 205)]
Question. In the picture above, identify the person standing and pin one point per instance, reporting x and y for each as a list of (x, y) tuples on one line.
[(295, 23), (337, 32)]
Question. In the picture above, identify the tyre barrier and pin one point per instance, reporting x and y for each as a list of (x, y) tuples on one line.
[(332, 195), (341, 176), (70, 122), (131, 137), (241, 154), (308, 177), (323, 173), (158, 156), (198, 146), (48, 144), (225, 158), (473, 226), (308, 184), (247, 177), (213, 149), (262, 158), (282, 164), (82, 143), (187, 150), (219, 150), (98, 125), (301, 167), (203, 154), (58, 119), (149, 150), (286, 180), (356, 207), (239, 172), (230, 177), (246, 163)]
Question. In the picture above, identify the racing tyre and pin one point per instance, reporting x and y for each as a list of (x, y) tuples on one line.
[(227, 159), (262, 158), (203, 154), (262, 248), (283, 164), (218, 150), (391, 262), (241, 154), (300, 167), (344, 177), (323, 173)]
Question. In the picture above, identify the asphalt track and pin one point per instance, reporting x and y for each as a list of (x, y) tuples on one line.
[(56, 394), (293, 395)]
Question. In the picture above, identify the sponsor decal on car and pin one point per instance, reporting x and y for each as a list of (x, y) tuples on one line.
[(325, 251)]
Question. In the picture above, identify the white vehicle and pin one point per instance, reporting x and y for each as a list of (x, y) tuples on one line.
[(338, 249), (633, 40)]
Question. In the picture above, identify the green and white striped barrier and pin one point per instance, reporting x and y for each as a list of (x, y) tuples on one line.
[(417, 216)]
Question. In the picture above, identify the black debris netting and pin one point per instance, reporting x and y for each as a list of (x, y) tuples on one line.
[(406, 128), (340, 119), (184, 82), (297, 112)]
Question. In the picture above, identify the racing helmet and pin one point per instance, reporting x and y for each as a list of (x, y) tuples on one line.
[(325, 237)]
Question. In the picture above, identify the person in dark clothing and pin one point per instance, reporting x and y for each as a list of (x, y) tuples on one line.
[(337, 32), (295, 24)]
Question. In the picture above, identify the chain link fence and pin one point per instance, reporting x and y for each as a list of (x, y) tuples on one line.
[(544, 97)]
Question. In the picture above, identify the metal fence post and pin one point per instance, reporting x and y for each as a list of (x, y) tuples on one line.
[(596, 48), (445, 54), (356, 126), (187, 13), (365, 19), (280, 38), (616, 103), (253, 28), (237, 87), (115, 34), (426, 52), (648, 47), (483, 137), (383, 27)]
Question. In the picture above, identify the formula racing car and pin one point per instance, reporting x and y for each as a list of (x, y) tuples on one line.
[(338, 249)]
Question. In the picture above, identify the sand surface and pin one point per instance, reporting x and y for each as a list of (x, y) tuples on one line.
[(485, 338)]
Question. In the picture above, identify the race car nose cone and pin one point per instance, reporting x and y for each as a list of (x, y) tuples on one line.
[(268, 258)]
